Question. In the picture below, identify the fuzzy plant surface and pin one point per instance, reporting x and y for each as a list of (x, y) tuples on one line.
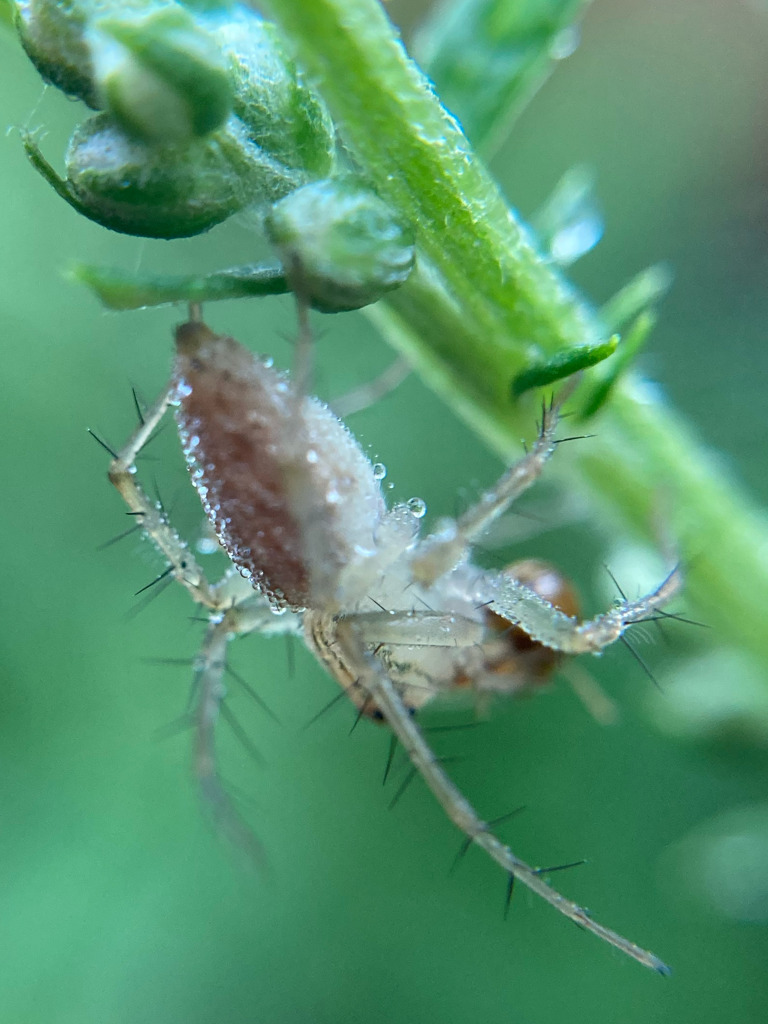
[(485, 314)]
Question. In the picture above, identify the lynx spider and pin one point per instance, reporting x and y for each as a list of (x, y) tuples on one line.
[(396, 618)]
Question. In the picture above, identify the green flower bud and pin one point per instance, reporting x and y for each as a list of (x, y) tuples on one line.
[(346, 245), (159, 73), (164, 191), (283, 115), (53, 36)]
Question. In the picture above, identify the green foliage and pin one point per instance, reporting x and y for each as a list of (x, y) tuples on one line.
[(490, 56), (564, 364), (159, 73), (181, 935), (478, 277), (120, 290)]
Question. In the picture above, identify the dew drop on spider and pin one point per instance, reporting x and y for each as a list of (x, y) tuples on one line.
[(398, 617)]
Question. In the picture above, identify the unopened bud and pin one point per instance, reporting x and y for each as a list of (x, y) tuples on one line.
[(347, 248), (160, 74), (283, 115), (53, 36), (167, 191)]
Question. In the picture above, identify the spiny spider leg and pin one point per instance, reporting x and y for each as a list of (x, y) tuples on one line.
[(518, 604), (443, 549), (372, 391), (210, 691), (234, 609), (122, 473), (459, 809)]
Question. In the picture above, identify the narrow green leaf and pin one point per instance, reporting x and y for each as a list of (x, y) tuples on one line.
[(564, 364), (488, 58), (642, 292), (604, 381), (121, 289)]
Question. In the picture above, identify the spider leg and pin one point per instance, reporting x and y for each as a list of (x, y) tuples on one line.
[(458, 808), (210, 693), (122, 473), (447, 546), (521, 606), (234, 609), (373, 391)]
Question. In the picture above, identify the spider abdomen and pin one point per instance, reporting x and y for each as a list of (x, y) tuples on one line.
[(289, 492)]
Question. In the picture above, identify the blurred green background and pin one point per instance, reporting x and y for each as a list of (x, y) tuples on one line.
[(120, 903)]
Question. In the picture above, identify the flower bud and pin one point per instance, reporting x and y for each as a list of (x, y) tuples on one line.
[(168, 191), (159, 73), (53, 36), (283, 115), (345, 244)]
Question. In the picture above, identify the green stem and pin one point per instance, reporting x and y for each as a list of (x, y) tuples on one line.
[(483, 303)]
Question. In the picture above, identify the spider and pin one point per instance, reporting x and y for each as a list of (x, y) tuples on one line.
[(396, 618)]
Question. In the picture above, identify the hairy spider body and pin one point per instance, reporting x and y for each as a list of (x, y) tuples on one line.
[(396, 618)]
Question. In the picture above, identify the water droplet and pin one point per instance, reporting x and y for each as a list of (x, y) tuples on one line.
[(312, 456), (565, 43), (379, 471), (417, 507), (207, 545)]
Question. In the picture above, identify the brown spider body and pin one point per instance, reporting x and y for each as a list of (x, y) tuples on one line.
[(397, 618)]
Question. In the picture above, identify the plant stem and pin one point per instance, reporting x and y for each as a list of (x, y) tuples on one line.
[(483, 304)]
